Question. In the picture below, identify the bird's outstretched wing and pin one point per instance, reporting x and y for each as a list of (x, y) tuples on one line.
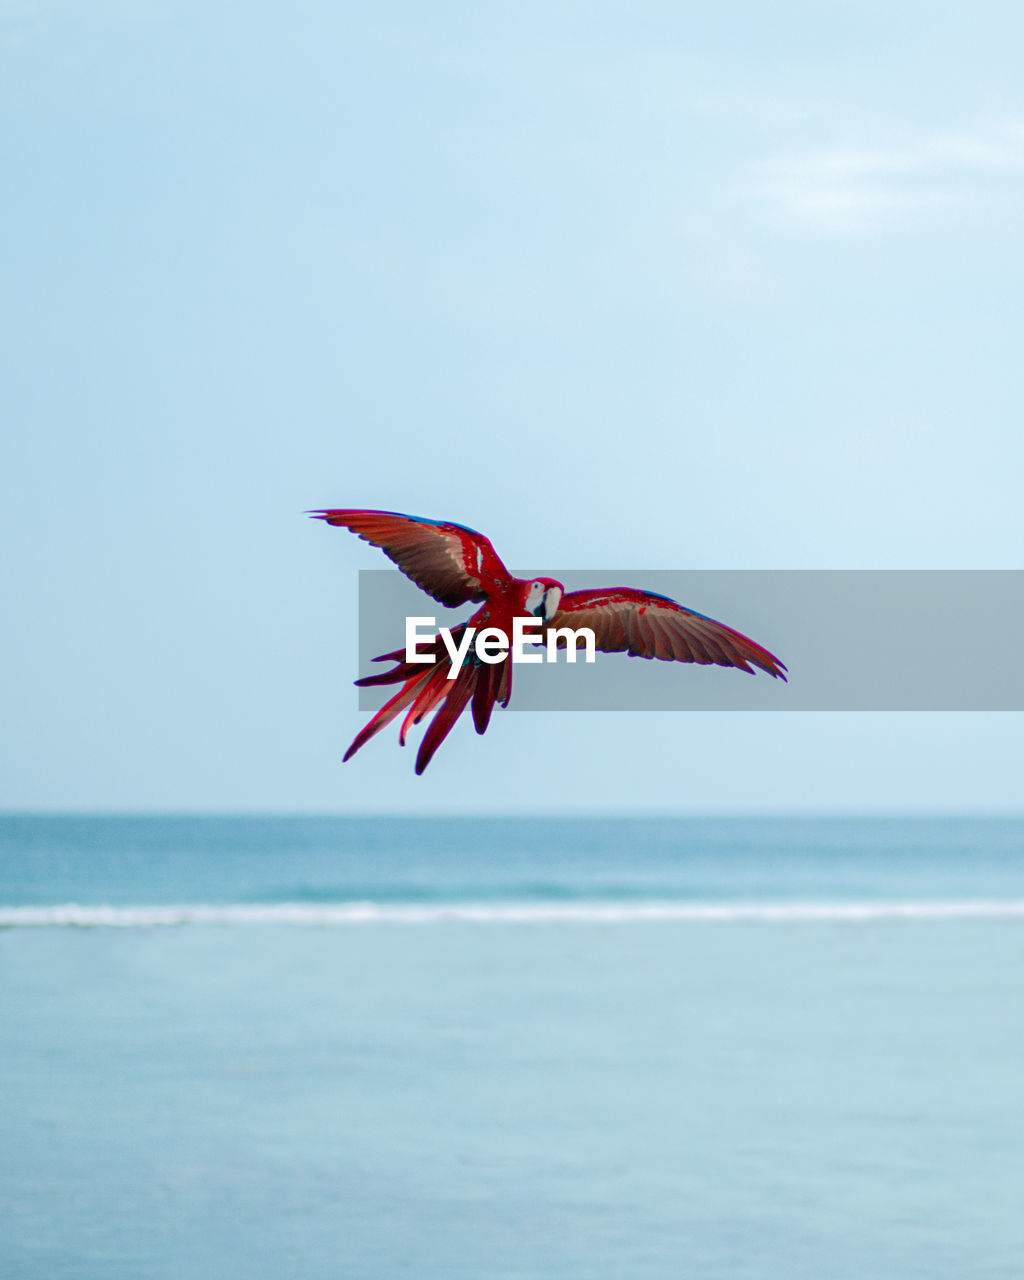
[(448, 561), (651, 626)]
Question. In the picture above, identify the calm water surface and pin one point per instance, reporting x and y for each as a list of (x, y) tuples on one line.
[(511, 1098)]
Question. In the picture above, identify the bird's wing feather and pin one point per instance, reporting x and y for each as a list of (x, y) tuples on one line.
[(448, 561), (646, 625)]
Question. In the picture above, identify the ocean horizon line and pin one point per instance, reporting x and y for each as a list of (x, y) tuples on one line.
[(536, 816)]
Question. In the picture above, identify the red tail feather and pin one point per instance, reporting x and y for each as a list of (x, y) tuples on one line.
[(488, 679), (387, 713), (429, 696), (441, 725)]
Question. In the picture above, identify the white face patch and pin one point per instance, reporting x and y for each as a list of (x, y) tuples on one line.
[(535, 597)]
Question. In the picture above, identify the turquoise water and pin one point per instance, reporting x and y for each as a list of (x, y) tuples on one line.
[(135, 861), (519, 1094)]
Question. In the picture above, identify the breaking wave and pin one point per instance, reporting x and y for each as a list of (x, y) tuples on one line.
[(369, 913)]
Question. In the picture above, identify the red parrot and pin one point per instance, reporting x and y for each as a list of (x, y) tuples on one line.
[(457, 565)]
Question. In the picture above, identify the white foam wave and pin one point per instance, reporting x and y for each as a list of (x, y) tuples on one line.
[(368, 913)]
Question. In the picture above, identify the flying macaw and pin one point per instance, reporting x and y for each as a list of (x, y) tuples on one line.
[(457, 565)]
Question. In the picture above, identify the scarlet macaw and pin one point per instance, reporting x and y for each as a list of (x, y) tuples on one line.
[(457, 565)]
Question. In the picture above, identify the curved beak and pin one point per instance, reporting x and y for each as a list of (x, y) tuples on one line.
[(549, 605)]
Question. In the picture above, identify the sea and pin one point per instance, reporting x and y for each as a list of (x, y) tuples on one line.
[(511, 1049)]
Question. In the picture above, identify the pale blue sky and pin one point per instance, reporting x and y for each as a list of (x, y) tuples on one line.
[(619, 284)]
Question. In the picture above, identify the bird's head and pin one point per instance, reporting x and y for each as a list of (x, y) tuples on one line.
[(543, 596)]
